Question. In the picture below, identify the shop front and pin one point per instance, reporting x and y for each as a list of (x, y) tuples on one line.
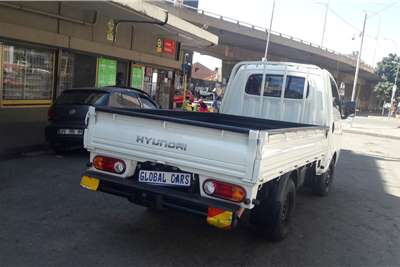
[(33, 76), (79, 70), (158, 82), (29, 75), (67, 45)]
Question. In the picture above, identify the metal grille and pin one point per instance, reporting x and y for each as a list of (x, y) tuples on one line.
[(27, 73)]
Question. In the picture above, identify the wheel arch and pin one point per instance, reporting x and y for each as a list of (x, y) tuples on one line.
[(334, 158)]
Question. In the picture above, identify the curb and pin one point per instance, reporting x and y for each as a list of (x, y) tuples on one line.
[(372, 134)]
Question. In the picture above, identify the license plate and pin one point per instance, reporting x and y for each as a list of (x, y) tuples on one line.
[(165, 178), (70, 131)]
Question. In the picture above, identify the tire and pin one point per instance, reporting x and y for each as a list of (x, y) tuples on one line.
[(58, 149), (322, 183), (273, 215)]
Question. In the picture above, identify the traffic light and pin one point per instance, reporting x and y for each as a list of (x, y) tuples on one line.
[(187, 65)]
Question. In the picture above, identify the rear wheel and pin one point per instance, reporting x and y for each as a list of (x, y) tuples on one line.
[(273, 215), (322, 183), (57, 148)]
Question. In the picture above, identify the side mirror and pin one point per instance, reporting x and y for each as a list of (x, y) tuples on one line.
[(348, 108)]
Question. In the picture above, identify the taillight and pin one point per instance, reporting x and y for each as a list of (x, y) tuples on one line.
[(224, 190), (50, 114), (109, 164)]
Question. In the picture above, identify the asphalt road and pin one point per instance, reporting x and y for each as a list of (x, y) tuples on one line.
[(46, 219)]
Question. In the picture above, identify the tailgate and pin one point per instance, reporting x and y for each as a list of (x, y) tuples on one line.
[(207, 151)]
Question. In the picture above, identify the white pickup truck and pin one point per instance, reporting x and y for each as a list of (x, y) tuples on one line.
[(279, 128)]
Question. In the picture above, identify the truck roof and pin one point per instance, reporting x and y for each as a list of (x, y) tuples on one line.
[(276, 65)]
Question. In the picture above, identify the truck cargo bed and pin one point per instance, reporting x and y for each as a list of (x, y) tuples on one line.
[(234, 123)]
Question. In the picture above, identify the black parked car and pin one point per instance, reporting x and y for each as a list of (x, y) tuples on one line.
[(67, 115)]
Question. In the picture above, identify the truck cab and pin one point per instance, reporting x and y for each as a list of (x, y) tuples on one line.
[(292, 92)]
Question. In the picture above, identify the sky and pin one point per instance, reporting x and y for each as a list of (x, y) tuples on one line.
[(304, 19)]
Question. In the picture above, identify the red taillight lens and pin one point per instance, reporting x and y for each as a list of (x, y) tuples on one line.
[(109, 164), (50, 114), (224, 190)]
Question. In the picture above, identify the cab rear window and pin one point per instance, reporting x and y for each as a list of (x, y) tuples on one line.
[(272, 87), (294, 87)]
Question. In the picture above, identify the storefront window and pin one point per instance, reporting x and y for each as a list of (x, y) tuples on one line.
[(148, 80), (77, 71), (27, 74), (66, 72), (122, 74)]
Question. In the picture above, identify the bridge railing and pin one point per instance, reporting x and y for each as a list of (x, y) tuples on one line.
[(259, 28)]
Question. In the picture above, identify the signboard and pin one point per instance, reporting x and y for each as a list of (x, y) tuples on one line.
[(106, 72), (169, 46), (137, 74), (159, 45)]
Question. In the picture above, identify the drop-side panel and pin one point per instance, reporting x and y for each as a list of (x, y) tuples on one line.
[(287, 151), (206, 151)]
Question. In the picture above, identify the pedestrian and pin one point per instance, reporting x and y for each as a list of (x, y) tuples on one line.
[(202, 106), (398, 109), (394, 108), (120, 79), (187, 104), (216, 103)]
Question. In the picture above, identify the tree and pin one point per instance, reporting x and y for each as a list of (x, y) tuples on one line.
[(383, 91), (386, 70)]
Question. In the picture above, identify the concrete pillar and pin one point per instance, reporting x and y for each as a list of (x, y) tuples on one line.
[(227, 67)]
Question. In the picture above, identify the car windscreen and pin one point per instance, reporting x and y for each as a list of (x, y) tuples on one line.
[(81, 98)]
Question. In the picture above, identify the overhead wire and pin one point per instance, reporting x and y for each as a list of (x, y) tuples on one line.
[(343, 20), (350, 24), (385, 8)]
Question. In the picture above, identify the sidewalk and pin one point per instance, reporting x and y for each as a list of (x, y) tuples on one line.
[(374, 126)]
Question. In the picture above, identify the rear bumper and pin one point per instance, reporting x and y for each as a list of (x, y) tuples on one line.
[(157, 196), (52, 136)]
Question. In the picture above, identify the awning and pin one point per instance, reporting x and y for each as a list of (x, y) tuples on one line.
[(190, 35)]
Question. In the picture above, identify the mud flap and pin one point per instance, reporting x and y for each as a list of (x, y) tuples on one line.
[(221, 218), (90, 183)]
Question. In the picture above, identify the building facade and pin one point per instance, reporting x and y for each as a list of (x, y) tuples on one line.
[(48, 47)]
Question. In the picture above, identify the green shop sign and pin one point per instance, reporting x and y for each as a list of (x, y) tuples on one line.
[(137, 75), (107, 72)]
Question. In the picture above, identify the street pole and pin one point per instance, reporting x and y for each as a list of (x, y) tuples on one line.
[(376, 40), (353, 94), (269, 32), (264, 60), (323, 30)]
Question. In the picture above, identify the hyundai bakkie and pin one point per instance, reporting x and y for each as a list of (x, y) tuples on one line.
[(279, 128)]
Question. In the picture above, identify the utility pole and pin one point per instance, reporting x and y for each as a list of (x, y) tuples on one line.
[(269, 32), (394, 88), (353, 94), (264, 60), (324, 28), (376, 40)]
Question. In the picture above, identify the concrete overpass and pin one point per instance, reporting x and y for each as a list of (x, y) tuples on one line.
[(242, 41)]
